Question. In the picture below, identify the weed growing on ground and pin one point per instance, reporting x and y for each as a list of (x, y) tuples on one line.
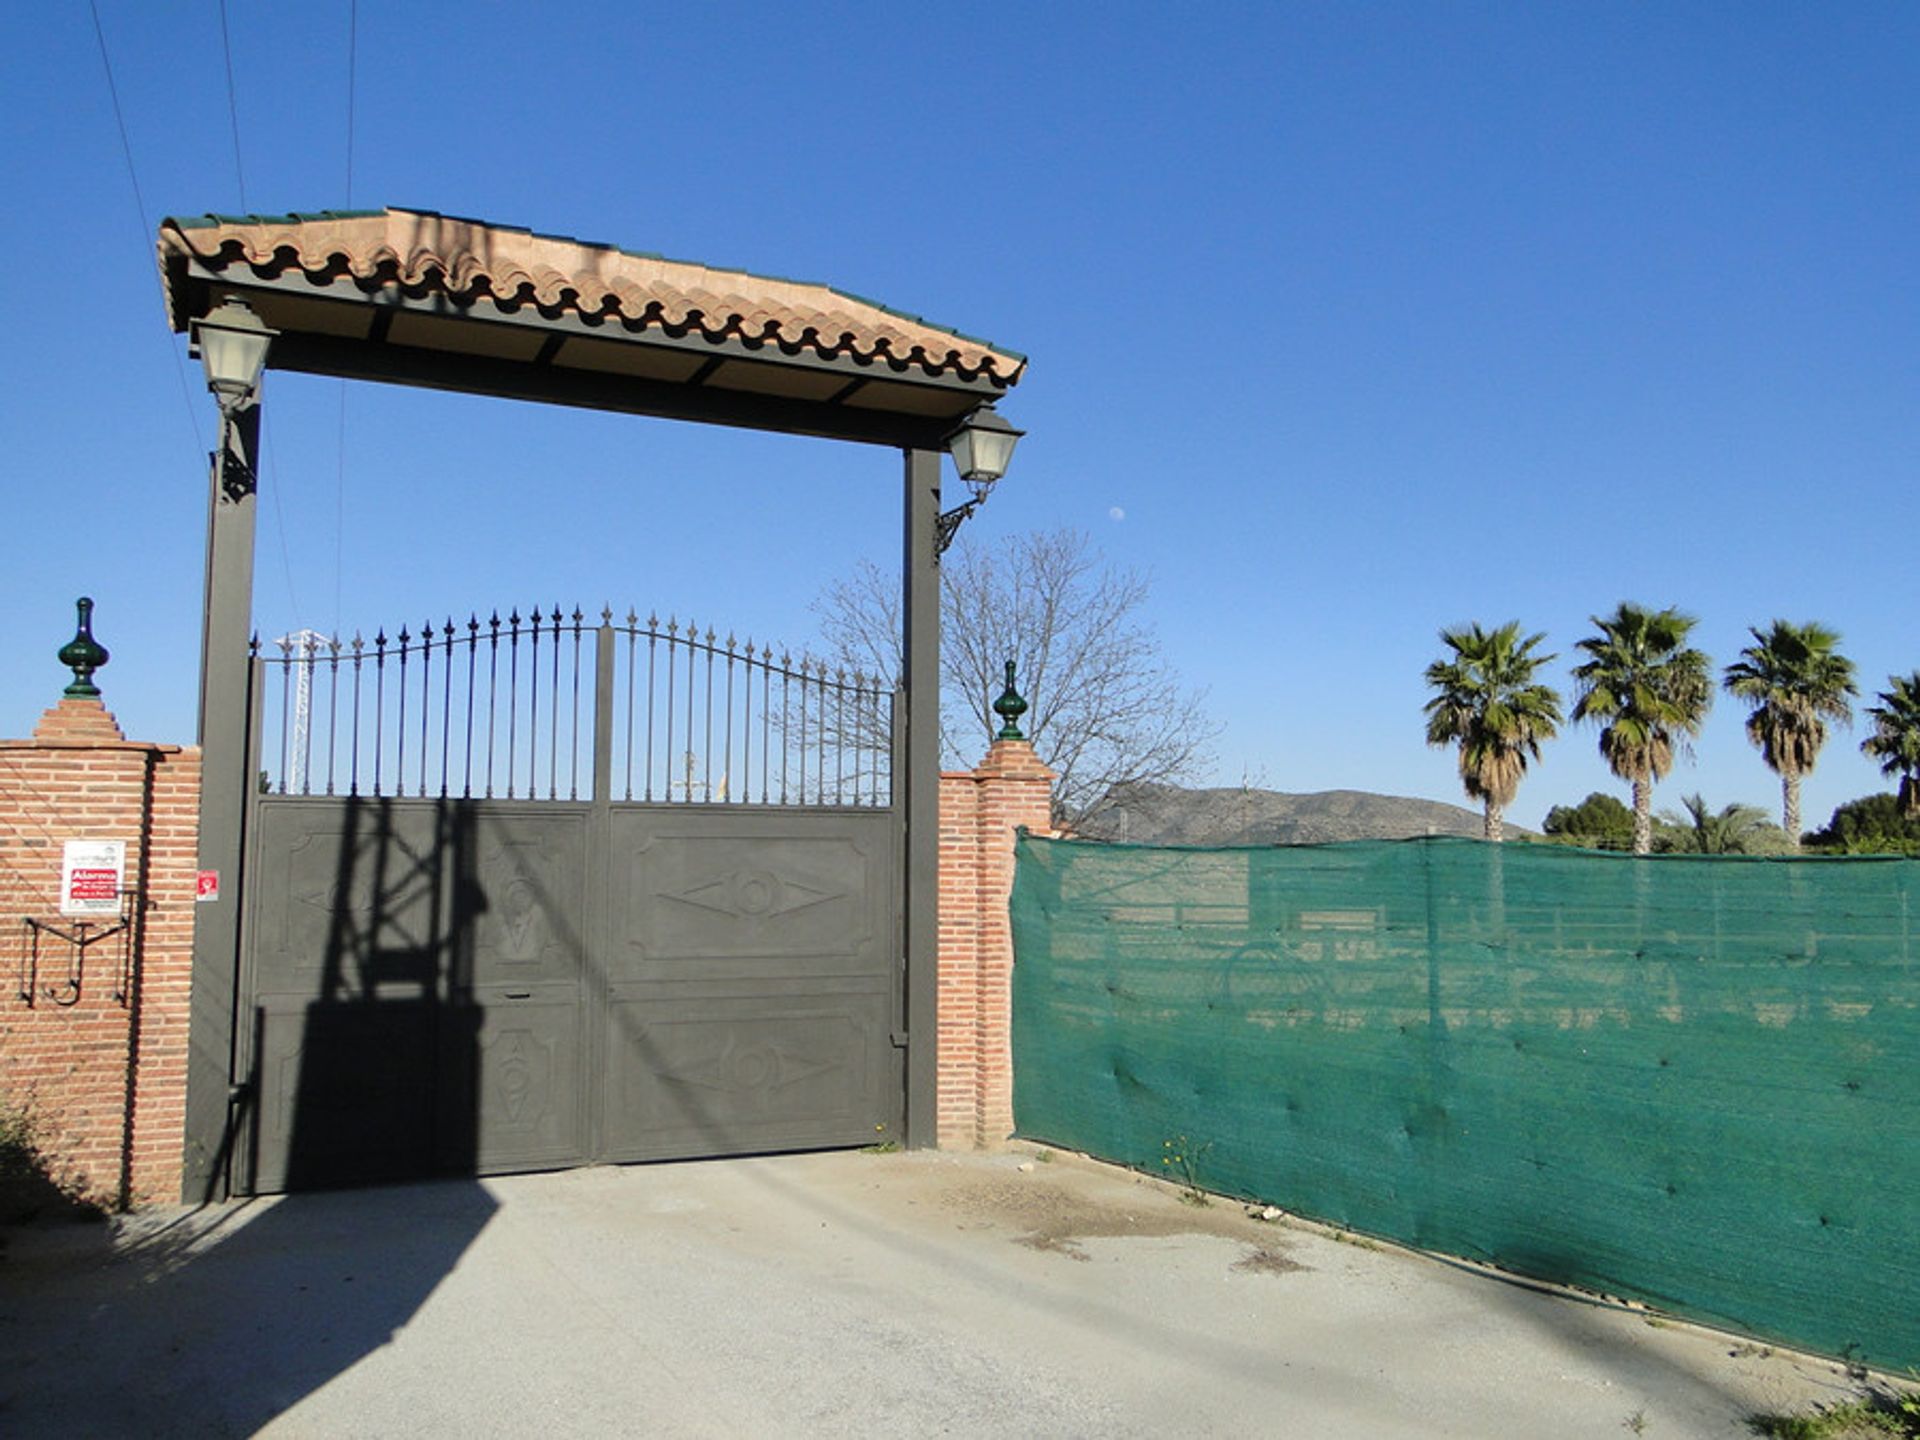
[(32, 1183), (17, 1148), (1636, 1422), (1880, 1414), (1181, 1157), (883, 1146)]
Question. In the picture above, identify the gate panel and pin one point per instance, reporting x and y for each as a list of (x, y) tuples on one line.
[(351, 933), (460, 958), (752, 984), (514, 1100), (510, 1082)]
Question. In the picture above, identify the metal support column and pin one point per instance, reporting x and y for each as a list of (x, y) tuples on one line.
[(918, 790), (225, 772)]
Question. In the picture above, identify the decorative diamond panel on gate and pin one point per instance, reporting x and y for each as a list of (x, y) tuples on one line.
[(721, 1075), (747, 891)]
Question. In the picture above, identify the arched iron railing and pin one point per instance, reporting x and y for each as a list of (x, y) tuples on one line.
[(510, 709)]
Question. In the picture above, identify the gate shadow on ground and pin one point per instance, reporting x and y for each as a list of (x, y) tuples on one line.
[(218, 1319), (364, 1067)]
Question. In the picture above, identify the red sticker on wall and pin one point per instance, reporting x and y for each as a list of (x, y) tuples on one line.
[(206, 885)]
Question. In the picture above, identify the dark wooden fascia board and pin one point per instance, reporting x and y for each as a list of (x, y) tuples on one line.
[(553, 385)]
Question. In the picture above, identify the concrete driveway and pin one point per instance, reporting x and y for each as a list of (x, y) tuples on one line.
[(834, 1294)]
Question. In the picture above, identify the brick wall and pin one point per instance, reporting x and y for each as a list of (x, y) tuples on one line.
[(980, 810), (105, 1076)]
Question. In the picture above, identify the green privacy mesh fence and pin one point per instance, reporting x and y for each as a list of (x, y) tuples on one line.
[(1691, 1081)]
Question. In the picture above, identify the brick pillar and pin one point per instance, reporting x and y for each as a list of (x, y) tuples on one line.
[(980, 810), (106, 1077)]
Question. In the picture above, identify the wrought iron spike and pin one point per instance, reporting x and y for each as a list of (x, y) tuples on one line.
[(285, 642), (473, 623), (729, 642), (448, 630), (673, 625), (606, 614), (513, 617), (653, 620), (577, 616), (380, 638), (358, 643), (403, 637), (333, 644), (711, 637)]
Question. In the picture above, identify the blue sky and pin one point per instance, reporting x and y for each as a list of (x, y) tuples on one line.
[(1366, 318)]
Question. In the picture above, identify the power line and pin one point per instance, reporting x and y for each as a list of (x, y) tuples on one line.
[(140, 208), (233, 108), (353, 31)]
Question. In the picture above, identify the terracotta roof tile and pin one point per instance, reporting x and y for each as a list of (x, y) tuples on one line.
[(470, 261)]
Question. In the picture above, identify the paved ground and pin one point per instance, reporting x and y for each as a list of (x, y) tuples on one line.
[(843, 1294)]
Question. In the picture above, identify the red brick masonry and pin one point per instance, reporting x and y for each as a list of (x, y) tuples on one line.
[(979, 812), (106, 1078)]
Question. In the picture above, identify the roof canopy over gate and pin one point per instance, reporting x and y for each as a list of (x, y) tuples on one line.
[(414, 297)]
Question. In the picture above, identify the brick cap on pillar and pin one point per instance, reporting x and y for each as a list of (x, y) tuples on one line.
[(76, 724), (1013, 760), (77, 719)]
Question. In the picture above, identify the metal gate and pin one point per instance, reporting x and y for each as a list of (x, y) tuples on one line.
[(536, 892)]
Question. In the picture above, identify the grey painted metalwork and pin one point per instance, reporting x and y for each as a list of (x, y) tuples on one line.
[(920, 768), (450, 982), (533, 709), (225, 782)]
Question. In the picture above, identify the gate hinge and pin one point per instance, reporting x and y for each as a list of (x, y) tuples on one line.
[(899, 1039)]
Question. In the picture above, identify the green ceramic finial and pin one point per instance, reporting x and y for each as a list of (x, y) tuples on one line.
[(83, 655), (1010, 707)]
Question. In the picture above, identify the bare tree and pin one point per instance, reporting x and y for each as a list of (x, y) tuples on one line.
[(1107, 709)]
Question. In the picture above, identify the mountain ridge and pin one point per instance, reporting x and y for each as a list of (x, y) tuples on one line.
[(1153, 814)]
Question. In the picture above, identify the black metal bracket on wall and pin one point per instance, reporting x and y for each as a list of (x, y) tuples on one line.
[(947, 525), (82, 935)]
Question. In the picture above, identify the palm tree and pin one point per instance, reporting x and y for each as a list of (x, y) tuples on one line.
[(1794, 679), (1487, 702), (1649, 694), (1895, 741), (1736, 830)]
